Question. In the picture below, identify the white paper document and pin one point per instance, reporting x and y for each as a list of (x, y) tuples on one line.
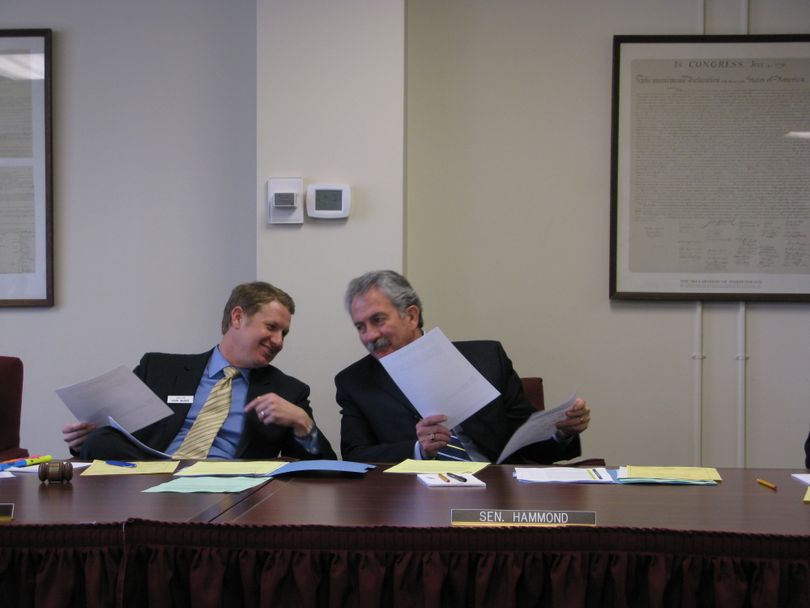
[(437, 379), (440, 480), (803, 477), (118, 394), (539, 426), (563, 475)]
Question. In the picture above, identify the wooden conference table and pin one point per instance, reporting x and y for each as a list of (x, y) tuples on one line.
[(385, 539)]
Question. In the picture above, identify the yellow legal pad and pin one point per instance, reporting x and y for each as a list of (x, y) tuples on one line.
[(674, 473), (142, 467), (230, 467), (807, 495), (437, 466)]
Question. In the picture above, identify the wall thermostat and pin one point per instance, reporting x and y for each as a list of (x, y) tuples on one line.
[(329, 201)]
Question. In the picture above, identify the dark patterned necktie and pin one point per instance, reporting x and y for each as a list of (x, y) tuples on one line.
[(453, 450)]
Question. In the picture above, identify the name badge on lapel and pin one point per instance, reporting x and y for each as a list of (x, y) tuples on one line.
[(180, 399)]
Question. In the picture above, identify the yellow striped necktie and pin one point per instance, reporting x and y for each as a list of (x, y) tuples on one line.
[(210, 419)]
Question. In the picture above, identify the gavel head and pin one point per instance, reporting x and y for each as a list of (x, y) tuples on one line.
[(56, 471)]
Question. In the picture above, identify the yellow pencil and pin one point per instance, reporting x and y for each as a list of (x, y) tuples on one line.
[(767, 484)]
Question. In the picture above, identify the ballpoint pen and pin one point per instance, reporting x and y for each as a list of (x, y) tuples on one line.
[(120, 463), (457, 477)]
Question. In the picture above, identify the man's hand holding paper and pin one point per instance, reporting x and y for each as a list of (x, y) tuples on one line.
[(437, 379), (116, 395)]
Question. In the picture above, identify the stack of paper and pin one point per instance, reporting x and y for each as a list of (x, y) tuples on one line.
[(563, 475), (669, 475)]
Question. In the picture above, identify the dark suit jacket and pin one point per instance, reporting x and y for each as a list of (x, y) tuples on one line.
[(378, 422), (169, 374)]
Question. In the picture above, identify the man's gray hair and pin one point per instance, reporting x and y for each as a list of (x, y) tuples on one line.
[(391, 283)]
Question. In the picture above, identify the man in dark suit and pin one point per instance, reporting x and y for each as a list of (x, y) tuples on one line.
[(378, 422), (269, 410)]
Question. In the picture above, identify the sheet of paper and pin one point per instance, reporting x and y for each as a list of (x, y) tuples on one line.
[(142, 467), (157, 454), (437, 379), (33, 469), (803, 477), (230, 467), (118, 393), (563, 475), (187, 485), (437, 466), (539, 426), (806, 496)]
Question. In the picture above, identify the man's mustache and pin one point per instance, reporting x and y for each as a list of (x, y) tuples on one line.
[(378, 344)]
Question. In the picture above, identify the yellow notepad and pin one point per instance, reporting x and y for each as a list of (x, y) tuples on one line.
[(140, 467), (231, 467), (674, 473), (437, 466)]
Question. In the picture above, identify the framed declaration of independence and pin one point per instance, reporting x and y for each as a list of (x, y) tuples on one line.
[(26, 231), (710, 168)]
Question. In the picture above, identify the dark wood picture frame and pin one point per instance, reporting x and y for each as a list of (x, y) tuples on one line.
[(710, 168), (26, 185)]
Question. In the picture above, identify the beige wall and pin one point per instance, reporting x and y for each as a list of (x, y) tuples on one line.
[(154, 153), (330, 109), (508, 157)]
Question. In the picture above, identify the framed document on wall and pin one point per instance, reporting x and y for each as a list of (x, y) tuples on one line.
[(26, 231), (710, 168)]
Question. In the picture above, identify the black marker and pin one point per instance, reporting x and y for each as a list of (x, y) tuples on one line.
[(457, 477)]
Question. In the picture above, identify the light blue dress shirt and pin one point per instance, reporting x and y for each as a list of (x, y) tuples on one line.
[(227, 440)]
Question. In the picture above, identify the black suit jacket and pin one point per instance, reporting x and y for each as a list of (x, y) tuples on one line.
[(168, 374), (378, 422)]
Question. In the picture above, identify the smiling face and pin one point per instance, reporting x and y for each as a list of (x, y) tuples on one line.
[(380, 326), (254, 340)]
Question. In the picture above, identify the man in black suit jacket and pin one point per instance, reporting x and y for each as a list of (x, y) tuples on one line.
[(378, 422), (273, 417)]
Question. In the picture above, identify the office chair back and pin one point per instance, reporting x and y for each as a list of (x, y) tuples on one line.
[(533, 388), (11, 383)]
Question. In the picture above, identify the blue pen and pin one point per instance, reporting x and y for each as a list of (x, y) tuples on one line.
[(120, 463)]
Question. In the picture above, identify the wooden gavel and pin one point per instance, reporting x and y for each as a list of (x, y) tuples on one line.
[(56, 471)]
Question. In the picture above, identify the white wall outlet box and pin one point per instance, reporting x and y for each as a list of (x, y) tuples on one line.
[(285, 200)]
